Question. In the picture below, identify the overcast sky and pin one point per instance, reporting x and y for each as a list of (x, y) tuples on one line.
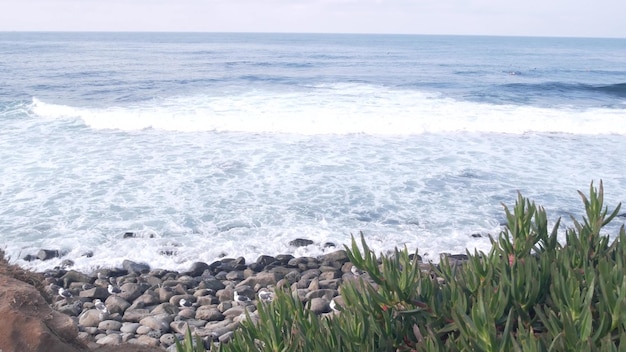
[(586, 18)]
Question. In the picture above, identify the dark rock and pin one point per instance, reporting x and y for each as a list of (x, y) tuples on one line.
[(45, 254), (300, 242), (129, 235), (283, 259), (265, 260), (87, 254), (256, 267), (95, 292), (30, 257), (67, 263), (412, 257), (211, 284), (329, 245), (135, 268), (476, 235), (197, 269)]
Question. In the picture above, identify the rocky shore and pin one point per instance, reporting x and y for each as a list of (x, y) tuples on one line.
[(139, 305)]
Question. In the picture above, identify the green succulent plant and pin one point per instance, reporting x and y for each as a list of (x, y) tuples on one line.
[(530, 292)]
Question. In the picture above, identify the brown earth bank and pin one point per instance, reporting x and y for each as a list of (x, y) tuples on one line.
[(29, 324)]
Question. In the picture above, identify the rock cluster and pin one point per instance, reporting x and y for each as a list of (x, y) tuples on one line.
[(155, 307)]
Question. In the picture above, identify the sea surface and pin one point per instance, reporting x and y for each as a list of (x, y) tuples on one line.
[(210, 145)]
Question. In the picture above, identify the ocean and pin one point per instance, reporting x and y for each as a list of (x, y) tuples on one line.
[(211, 145)]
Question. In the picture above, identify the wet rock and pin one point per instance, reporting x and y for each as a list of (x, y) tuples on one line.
[(197, 269), (283, 259), (300, 242), (46, 254), (135, 268)]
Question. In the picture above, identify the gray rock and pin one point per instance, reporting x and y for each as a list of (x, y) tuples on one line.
[(212, 284), (339, 256), (175, 300), (263, 278), (155, 334), (142, 330), (225, 338), (75, 276), (127, 336), (165, 293), (209, 313), (113, 339), (146, 340), (236, 275), (148, 298), (110, 325), (158, 322), (187, 313), (89, 317), (207, 300), (165, 308), (179, 326), (129, 328), (95, 292), (135, 315), (325, 293), (330, 284), (167, 340), (330, 275), (131, 291), (319, 306), (116, 304)]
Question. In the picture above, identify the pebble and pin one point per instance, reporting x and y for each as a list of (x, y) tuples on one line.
[(148, 312)]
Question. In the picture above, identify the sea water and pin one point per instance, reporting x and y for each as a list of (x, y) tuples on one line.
[(209, 145)]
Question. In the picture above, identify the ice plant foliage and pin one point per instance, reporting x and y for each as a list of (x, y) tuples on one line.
[(528, 293)]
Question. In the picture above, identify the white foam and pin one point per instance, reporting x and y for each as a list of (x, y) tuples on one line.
[(338, 109)]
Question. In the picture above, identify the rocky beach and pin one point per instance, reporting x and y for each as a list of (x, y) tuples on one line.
[(138, 305)]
